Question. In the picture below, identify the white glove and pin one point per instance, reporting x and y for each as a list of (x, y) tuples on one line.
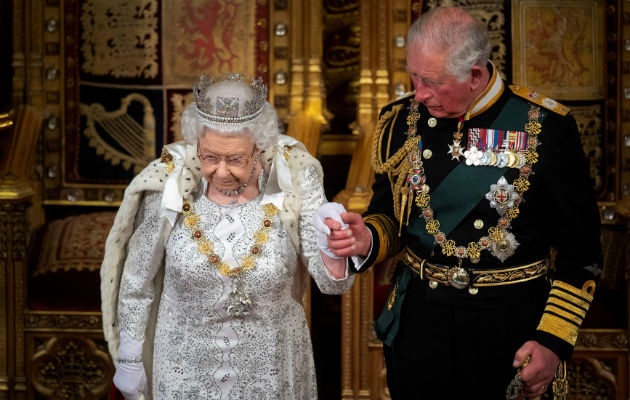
[(130, 377), (332, 211)]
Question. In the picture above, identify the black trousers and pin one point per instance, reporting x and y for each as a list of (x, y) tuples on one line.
[(454, 345)]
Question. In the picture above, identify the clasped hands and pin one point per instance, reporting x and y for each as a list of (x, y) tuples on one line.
[(340, 233)]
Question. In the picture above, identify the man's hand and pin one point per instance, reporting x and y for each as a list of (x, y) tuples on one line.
[(356, 240), (539, 373), (327, 212)]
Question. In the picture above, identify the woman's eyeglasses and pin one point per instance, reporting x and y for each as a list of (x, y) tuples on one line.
[(232, 161)]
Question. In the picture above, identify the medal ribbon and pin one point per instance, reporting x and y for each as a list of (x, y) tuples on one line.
[(466, 185)]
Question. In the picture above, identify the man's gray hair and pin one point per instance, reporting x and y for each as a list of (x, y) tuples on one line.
[(455, 32)]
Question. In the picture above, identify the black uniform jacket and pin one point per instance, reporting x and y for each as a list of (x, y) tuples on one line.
[(557, 210)]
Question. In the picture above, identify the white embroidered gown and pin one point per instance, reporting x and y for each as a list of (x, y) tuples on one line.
[(201, 352)]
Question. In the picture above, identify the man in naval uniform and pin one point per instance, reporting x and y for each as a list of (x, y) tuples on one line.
[(475, 182)]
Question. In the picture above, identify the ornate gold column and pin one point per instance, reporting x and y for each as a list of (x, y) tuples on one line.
[(381, 62), (356, 305), (374, 93), (15, 198), (306, 93)]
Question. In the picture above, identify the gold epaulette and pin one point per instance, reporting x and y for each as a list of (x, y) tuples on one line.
[(566, 309), (535, 97), (399, 98), (388, 240)]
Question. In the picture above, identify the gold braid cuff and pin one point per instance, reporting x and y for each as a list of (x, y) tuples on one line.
[(566, 309), (388, 240)]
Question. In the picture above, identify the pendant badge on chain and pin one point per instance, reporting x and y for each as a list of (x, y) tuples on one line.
[(238, 302), (502, 196)]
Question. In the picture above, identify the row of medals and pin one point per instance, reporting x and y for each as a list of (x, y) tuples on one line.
[(502, 159), (417, 179)]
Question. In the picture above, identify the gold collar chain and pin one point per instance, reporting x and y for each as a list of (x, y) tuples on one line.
[(499, 241), (206, 247)]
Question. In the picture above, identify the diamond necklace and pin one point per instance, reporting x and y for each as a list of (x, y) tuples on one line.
[(234, 193)]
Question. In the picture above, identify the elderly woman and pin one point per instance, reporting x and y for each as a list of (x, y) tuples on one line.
[(209, 257)]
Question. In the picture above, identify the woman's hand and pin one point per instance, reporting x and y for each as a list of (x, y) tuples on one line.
[(340, 233), (337, 267), (327, 212), (130, 379)]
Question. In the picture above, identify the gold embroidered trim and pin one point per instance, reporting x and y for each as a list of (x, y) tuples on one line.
[(550, 308), (519, 274), (477, 277), (570, 303), (386, 229), (589, 287), (563, 304), (206, 247), (559, 328), (167, 158), (495, 77), (539, 99), (582, 294), (568, 298)]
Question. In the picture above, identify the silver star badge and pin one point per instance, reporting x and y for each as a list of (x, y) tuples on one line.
[(502, 196), (505, 247)]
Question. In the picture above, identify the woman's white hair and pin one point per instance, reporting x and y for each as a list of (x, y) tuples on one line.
[(452, 31), (197, 119)]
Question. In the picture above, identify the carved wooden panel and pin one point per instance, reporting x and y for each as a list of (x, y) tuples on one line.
[(69, 367), (13, 240), (590, 378), (590, 122)]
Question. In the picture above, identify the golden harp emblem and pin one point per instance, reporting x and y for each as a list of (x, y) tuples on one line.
[(136, 138)]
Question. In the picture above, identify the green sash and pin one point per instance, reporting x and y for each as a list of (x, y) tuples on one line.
[(462, 189), (456, 196)]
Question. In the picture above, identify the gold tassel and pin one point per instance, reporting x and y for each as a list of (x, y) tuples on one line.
[(409, 205), (403, 204), (560, 383)]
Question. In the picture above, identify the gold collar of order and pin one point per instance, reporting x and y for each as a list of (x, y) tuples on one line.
[(206, 247)]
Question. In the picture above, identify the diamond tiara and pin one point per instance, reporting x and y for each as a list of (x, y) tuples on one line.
[(228, 109)]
